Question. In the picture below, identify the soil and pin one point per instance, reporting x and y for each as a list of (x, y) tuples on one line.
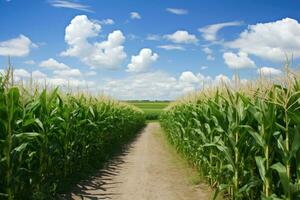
[(146, 170)]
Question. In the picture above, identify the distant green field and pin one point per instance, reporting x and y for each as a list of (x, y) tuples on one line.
[(151, 108)]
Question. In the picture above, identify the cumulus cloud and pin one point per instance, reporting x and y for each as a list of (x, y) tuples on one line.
[(238, 61), (267, 71), (67, 73), (151, 85), (209, 53), (188, 77), (221, 78), (70, 83), (148, 85), (142, 62), (135, 15), (207, 50), (106, 54), (60, 69), (38, 74), (19, 46), (90, 73), (77, 34), (29, 62), (182, 36), (153, 37), (107, 21), (177, 11), (188, 81), (64, 80), (272, 41), (171, 47), (210, 57), (24, 74), (159, 85), (21, 73), (70, 5), (209, 32), (109, 53), (53, 64)]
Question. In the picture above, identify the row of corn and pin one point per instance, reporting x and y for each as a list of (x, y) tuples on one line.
[(48, 136), (246, 141)]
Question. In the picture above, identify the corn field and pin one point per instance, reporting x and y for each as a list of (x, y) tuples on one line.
[(48, 136), (246, 142)]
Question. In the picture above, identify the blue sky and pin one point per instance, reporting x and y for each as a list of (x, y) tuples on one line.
[(147, 50)]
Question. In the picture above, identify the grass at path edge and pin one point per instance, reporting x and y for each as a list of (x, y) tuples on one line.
[(191, 174)]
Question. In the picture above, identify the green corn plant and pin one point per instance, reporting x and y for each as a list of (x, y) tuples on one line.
[(47, 136), (244, 141)]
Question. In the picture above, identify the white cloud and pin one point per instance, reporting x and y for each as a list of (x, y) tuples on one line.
[(132, 36), (187, 87), (62, 81), (135, 15), (151, 85), (203, 67), (90, 73), (53, 64), (237, 81), (153, 37), (238, 61), (210, 57), (73, 83), (271, 40), (106, 54), (67, 73), (77, 34), (188, 76), (209, 32), (182, 36), (60, 70), (71, 5), (109, 53), (159, 85), (19, 46), (171, 47), (21, 73), (177, 11), (29, 62), (38, 74), (107, 21), (222, 79), (142, 62), (268, 71), (189, 81), (209, 53), (207, 50)]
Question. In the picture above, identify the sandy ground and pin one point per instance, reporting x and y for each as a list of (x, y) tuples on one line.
[(145, 171)]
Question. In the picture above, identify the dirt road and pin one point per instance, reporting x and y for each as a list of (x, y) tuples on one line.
[(147, 170)]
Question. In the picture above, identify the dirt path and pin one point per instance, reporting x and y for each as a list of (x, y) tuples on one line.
[(145, 171)]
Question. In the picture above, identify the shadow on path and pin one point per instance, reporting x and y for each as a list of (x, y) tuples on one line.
[(144, 169), (101, 184)]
